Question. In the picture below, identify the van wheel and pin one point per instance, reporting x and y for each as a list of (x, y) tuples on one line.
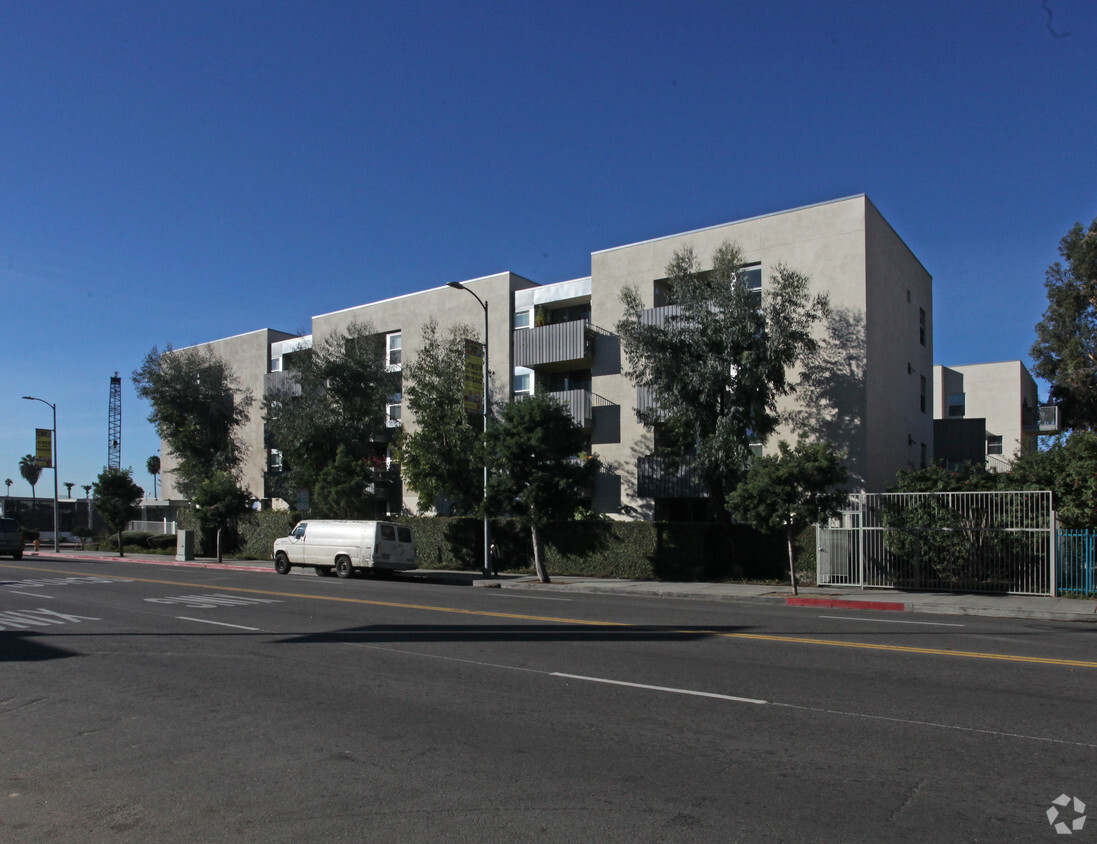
[(17, 555), (323, 571), (343, 567), (281, 563)]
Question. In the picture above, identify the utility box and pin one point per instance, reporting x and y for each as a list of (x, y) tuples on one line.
[(184, 545)]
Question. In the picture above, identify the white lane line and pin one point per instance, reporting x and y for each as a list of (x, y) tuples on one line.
[(893, 621), (534, 597), (218, 623), (32, 594), (658, 688)]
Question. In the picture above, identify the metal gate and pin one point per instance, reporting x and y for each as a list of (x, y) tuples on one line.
[(1075, 554), (951, 541)]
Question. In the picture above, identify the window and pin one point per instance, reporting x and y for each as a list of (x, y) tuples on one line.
[(523, 385), (956, 407), (522, 319), (388, 533), (393, 345), (274, 464), (924, 454), (276, 364), (752, 277), (922, 326), (922, 394), (994, 444), (393, 408)]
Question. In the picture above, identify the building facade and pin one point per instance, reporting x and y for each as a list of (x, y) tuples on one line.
[(868, 391)]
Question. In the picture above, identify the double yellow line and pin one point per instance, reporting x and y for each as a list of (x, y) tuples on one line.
[(758, 637)]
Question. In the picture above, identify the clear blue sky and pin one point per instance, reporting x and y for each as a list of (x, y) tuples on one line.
[(176, 172)]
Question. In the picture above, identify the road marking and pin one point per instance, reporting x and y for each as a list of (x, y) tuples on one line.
[(893, 621), (32, 594), (538, 597), (757, 637), (693, 692), (218, 623)]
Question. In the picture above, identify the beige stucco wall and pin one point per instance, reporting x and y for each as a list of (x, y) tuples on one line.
[(249, 357), (993, 391)]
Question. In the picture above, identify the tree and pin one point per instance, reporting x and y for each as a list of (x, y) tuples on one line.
[(115, 498), (1068, 467), (8, 482), (1065, 351), (198, 408), (717, 362), (336, 396), (152, 466), (439, 460), (791, 490), (68, 488), (537, 468), (30, 470), (87, 489), (220, 502), (342, 489)]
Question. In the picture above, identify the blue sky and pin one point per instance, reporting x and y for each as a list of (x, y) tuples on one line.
[(176, 172)]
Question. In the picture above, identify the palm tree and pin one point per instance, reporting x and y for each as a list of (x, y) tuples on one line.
[(31, 472), (87, 489), (152, 466), (68, 486), (8, 482)]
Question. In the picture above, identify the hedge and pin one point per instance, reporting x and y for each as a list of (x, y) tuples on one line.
[(629, 550)]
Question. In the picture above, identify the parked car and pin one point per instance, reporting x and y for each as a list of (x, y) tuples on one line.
[(11, 538), (343, 546)]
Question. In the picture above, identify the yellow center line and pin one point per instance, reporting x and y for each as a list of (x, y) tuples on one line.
[(760, 637)]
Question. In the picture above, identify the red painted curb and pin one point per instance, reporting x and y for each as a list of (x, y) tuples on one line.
[(838, 604)]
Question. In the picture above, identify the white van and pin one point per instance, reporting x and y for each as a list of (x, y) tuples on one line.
[(343, 546)]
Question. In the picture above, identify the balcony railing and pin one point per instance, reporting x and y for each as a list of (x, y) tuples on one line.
[(578, 403), (278, 380), (1041, 420), (666, 477), (569, 343)]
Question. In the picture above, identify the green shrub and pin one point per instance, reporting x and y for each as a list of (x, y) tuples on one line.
[(160, 541), (30, 534), (605, 548)]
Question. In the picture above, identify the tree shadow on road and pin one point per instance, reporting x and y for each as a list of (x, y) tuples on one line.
[(578, 632)]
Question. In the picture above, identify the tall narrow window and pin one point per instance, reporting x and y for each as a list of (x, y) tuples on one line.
[(956, 405), (922, 395), (924, 455), (922, 326), (393, 344)]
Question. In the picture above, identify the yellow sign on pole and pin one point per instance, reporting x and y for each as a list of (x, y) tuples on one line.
[(43, 447), (473, 392)]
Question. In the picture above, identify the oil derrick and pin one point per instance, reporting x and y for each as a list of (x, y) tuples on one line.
[(114, 424)]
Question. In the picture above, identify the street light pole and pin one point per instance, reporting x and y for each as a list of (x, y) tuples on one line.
[(456, 285), (56, 522)]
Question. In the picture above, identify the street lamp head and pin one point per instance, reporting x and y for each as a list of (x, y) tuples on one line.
[(456, 285)]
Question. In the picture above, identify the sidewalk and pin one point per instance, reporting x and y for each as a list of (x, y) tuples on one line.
[(857, 600)]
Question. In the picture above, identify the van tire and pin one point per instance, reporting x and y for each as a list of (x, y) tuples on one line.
[(343, 567), (324, 571), (17, 555), (281, 563)]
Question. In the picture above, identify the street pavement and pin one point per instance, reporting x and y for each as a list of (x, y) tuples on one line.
[(886, 600)]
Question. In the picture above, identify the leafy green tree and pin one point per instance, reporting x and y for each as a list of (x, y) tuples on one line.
[(152, 466), (798, 487), (31, 471), (116, 496), (198, 408), (220, 504), (1068, 467), (718, 361), (336, 397), (343, 489), (937, 477), (441, 459), (537, 466), (1065, 352)]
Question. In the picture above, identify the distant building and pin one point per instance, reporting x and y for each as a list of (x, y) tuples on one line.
[(559, 338)]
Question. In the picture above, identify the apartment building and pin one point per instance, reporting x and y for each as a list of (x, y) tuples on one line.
[(988, 413), (868, 393)]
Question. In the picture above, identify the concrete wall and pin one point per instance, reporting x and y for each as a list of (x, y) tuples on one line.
[(996, 392), (249, 357)]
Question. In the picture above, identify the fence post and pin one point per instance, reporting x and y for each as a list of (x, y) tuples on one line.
[(861, 542), (1053, 556)]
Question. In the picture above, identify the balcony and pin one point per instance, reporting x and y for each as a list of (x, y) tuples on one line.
[(578, 403), (277, 381), (1041, 420), (566, 344), (666, 477)]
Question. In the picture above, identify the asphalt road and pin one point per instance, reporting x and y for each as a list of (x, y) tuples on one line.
[(140, 703)]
